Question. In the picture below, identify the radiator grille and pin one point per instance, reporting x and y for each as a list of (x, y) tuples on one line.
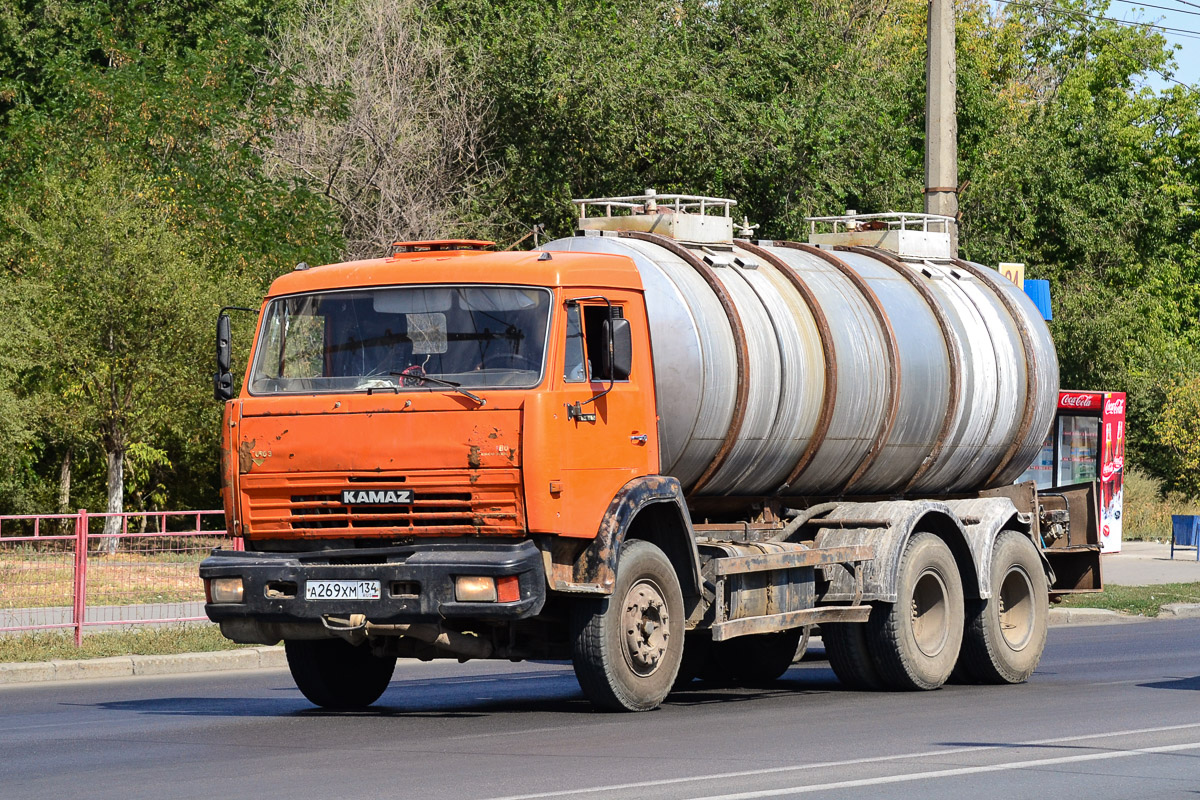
[(310, 506)]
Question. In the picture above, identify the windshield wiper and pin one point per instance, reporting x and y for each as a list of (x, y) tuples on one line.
[(442, 381)]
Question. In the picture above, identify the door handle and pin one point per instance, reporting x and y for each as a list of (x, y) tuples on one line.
[(639, 438)]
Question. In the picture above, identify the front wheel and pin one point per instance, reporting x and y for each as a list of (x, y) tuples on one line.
[(628, 646), (916, 640), (334, 674), (1006, 634)]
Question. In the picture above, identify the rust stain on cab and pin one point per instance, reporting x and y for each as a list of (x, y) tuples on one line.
[(245, 456)]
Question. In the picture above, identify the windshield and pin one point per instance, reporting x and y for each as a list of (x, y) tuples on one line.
[(394, 337)]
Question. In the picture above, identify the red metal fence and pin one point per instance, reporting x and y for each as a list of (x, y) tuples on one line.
[(61, 571)]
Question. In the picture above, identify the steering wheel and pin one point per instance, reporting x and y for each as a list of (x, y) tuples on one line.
[(508, 361), (411, 376)]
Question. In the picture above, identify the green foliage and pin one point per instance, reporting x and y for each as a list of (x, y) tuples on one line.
[(135, 205), (112, 326), (783, 106), (1179, 430)]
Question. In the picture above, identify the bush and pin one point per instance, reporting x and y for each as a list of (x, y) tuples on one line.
[(1148, 509)]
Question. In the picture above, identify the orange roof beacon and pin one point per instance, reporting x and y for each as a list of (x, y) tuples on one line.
[(647, 440)]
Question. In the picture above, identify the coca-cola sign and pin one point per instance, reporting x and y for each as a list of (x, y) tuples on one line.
[(1079, 400), (1115, 407)]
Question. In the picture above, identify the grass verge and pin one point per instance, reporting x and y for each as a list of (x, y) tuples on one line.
[(1145, 601), (169, 640)]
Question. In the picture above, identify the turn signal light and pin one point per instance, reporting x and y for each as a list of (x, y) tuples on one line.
[(508, 589), (226, 590), (475, 589)]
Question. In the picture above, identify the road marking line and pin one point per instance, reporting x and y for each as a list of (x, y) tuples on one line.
[(844, 763), (949, 773)]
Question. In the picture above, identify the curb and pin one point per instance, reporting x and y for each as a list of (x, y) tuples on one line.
[(1180, 611), (137, 666), (1091, 616)]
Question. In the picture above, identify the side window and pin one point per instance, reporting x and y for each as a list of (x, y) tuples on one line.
[(597, 342), (574, 370)]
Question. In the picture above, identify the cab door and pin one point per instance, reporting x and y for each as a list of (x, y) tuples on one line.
[(607, 425)]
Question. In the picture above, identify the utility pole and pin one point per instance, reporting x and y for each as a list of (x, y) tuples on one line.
[(941, 120)]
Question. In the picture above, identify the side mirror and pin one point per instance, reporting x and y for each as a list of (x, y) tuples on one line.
[(223, 379), (617, 360)]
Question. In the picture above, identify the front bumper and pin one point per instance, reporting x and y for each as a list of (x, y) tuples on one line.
[(416, 582)]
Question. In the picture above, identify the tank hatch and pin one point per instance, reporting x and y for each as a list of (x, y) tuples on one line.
[(912, 235), (685, 217)]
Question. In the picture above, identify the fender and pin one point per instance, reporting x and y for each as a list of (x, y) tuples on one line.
[(969, 527), (650, 507)]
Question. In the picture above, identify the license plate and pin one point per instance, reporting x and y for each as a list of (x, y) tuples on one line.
[(341, 590)]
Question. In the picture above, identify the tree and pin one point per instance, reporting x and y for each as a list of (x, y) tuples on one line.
[(1180, 434), (109, 301), (177, 96), (390, 129)]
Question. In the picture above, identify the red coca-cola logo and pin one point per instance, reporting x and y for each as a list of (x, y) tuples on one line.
[(1067, 400), (1108, 470), (1115, 407), (1106, 532)]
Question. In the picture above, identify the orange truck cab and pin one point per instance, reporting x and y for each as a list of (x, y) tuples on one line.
[(433, 438), (651, 448)]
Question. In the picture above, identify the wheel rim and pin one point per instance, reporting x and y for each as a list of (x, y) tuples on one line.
[(930, 613), (646, 626), (1017, 609)]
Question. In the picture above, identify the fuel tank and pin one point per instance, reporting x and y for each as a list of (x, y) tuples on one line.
[(866, 362)]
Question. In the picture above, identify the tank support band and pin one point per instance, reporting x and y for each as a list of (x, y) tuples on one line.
[(954, 353), (1031, 384), (827, 352), (739, 340), (893, 353)]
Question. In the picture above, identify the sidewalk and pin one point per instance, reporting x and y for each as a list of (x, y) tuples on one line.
[(1149, 563)]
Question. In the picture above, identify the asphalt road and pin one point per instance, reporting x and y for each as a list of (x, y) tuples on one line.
[(1111, 713)]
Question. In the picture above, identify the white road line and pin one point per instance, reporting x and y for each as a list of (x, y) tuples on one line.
[(844, 763), (949, 773)]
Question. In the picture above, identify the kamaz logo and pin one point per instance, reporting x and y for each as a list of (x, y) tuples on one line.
[(377, 497)]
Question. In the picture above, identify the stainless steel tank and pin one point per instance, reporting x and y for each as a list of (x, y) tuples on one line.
[(792, 369)]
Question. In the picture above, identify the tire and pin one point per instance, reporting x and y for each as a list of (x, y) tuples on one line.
[(916, 640), (334, 674), (848, 654), (696, 660), (757, 659), (1005, 635), (628, 647)]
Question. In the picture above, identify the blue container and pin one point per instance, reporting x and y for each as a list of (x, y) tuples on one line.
[(1185, 532), (1039, 293)]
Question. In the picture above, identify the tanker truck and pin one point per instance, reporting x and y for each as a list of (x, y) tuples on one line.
[(658, 448)]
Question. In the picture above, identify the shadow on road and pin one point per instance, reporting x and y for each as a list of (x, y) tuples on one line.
[(1192, 683), (530, 692)]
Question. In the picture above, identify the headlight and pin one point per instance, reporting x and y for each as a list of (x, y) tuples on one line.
[(474, 589), (226, 590)]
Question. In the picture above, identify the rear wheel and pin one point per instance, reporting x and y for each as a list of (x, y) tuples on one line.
[(628, 646), (759, 658), (916, 640), (334, 674), (696, 661), (1006, 634), (848, 654)]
